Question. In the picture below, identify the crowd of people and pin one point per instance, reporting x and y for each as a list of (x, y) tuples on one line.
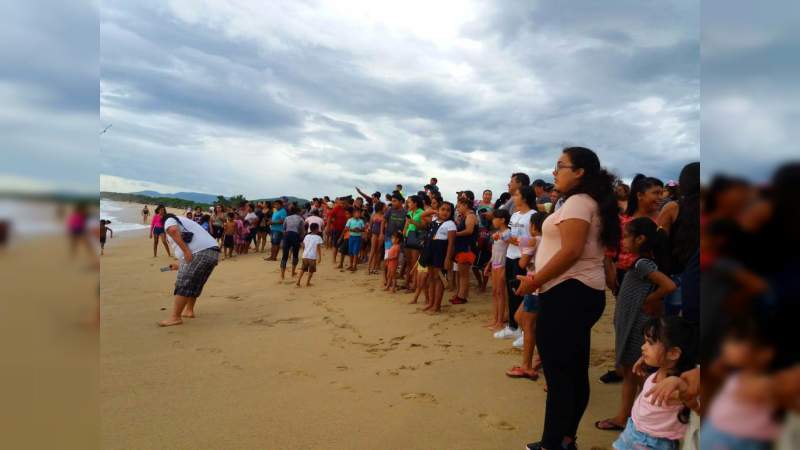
[(549, 253)]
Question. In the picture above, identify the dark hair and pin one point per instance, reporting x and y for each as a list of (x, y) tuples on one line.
[(539, 183), (397, 196), (537, 220), (428, 187), (655, 240), (160, 207), (466, 202), (434, 179), (677, 332), (720, 184), (640, 184), (379, 207), (529, 196), (503, 215), (278, 201), (449, 205), (487, 190), (400, 186), (684, 236), (231, 215), (397, 235), (598, 184), (470, 195), (314, 227), (502, 200), (416, 200), (376, 194), (349, 210), (522, 178)]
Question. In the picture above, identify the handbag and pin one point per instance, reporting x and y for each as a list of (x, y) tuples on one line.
[(186, 235)]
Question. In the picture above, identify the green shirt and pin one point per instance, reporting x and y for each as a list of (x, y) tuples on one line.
[(417, 217)]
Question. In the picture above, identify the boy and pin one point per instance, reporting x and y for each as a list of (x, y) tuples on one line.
[(344, 241), (355, 226), (312, 254), (103, 230), (228, 236)]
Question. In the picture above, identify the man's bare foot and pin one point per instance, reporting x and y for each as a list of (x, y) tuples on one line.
[(309, 284), (170, 322), (413, 302), (188, 315), (434, 311), (298, 284)]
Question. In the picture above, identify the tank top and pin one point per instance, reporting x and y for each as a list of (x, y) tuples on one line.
[(466, 243), (376, 226)]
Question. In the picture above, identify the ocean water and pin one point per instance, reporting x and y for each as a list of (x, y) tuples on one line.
[(122, 215)]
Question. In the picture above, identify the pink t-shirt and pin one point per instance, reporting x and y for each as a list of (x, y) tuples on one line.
[(588, 269), (657, 421), (731, 415), (156, 222)]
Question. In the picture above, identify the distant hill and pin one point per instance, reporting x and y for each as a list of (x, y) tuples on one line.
[(189, 196), (184, 199)]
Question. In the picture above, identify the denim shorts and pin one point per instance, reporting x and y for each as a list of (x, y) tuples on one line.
[(354, 246), (633, 439), (530, 303), (711, 437), (277, 237)]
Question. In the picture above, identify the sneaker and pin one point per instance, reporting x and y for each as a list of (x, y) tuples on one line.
[(520, 342), (507, 333)]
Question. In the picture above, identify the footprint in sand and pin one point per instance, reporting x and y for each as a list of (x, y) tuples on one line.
[(295, 373), (209, 349), (232, 366), (342, 368), (420, 396), (496, 423), (234, 297)]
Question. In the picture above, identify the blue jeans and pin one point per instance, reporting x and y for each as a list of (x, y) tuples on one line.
[(633, 439), (277, 237), (354, 245)]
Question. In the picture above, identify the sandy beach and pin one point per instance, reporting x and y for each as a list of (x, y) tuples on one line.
[(340, 364)]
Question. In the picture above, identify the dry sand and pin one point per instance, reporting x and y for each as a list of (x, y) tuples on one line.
[(340, 364)]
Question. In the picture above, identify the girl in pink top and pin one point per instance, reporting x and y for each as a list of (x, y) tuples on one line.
[(157, 229), (733, 422), (670, 345)]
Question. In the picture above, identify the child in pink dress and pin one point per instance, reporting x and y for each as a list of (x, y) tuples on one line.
[(670, 346)]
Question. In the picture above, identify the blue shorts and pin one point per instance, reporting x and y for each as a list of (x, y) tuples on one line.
[(633, 439), (354, 245), (158, 231), (530, 303), (711, 437), (387, 244), (277, 237)]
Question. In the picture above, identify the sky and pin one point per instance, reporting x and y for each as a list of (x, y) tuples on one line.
[(312, 98)]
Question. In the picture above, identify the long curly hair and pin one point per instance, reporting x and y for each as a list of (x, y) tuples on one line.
[(598, 184)]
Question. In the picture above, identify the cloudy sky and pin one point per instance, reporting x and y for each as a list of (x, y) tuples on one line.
[(314, 97)]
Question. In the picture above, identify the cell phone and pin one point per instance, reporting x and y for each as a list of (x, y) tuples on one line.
[(166, 269)]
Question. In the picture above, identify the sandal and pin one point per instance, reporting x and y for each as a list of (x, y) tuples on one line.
[(458, 301), (607, 425), (519, 372)]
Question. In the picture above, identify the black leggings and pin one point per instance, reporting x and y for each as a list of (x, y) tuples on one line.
[(291, 242), (514, 300), (567, 313)]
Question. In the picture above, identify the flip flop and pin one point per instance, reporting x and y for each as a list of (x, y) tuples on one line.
[(607, 425), (518, 372)]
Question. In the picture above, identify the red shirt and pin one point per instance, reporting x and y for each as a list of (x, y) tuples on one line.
[(338, 218)]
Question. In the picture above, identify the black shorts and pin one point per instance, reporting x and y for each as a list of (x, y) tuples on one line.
[(344, 247), (102, 240), (228, 241)]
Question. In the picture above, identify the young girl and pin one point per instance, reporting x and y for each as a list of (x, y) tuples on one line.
[(497, 267), (157, 230), (242, 234), (376, 237), (411, 233), (527, 311), (428, 219), (442, 249), (229, 233), (670, 346), (733, 422), (640, 298), (392, 256)]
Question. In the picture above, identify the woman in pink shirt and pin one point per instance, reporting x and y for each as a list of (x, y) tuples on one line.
[(157, 229), (571, 281)]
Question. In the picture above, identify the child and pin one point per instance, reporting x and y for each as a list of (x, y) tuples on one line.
[(376, 222), (392, 256), (344, 241), (354, 226), (205, 222), (526, 314), (103, 230), (228, 237), (669, 345), (312, 254), (732, 422), (497, 267), (640, 298), (442, 249)]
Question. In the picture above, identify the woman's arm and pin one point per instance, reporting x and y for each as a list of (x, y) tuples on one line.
[(654, 303), (574, 233), (668, 215), (611, 274), (469, 226)]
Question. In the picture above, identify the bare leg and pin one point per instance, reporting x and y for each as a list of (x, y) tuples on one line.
[(310, 274), (529, 340), (190, 308), (300, 278), (164, 241), (177, 311), (155, 246), (463, 281), (629, 384)]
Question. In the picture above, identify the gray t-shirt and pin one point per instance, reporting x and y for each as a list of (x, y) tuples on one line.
[(294, 223), (509, 206), (395, 221)]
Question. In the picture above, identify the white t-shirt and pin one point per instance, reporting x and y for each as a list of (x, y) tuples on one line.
[(310, 244), (200, 241), (441, 233), (251, 218), (317, 220), (520, 226)]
